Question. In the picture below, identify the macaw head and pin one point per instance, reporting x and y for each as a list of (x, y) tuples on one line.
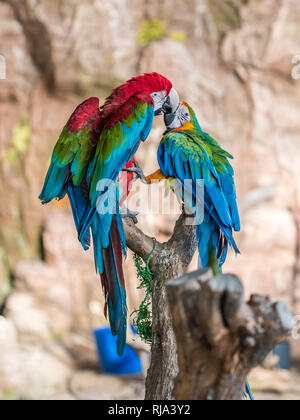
[(183, 118), (163, 102), (165, 97)]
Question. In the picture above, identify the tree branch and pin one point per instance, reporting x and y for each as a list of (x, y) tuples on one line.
[(220, 337), (169, 261), (183, 240), (139, 242)]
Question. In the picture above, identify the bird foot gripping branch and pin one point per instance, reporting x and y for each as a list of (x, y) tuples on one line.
[(125, 212), (137, 170)]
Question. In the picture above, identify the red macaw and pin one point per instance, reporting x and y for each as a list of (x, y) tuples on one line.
[(92, 150)]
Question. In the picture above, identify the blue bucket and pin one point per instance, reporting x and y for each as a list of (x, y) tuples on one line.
[(110, 362), (283, 351)]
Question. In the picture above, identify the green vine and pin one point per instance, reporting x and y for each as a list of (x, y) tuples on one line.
[(143, 319)]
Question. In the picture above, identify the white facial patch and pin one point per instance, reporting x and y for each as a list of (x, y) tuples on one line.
[(159, 99), (182, 116)]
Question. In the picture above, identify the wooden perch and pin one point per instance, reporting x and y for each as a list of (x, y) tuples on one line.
[(169, 260), (220, 337)]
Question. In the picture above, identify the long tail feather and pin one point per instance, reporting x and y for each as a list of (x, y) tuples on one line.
[(109, 264), (192, 191), (86, 222), (249, 391), (79, 206)]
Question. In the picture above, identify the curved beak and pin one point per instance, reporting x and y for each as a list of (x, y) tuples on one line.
[(172, 102), (167, 107), (169, 118), (170, 108)]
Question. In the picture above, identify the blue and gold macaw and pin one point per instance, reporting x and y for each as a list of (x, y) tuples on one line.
[(186, 152)]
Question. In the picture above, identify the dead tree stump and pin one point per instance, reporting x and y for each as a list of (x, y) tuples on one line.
[(220, 337)]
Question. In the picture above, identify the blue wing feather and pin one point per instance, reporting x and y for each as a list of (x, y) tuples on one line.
[(104, 197), (79, 204), (183, 156), (110, 169)]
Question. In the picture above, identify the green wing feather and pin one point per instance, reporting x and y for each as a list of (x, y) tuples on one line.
[(73, 151), (118, 142), (77, 149)]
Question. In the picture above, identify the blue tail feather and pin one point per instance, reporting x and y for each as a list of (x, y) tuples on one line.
[(108, 239), (86, 222), (121, 232), (108, 263), (79, 205), (210, 211), (98, 257), (105, 207), (249, 391), (117, 309)]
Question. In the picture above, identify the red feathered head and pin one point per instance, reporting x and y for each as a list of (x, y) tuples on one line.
[(150, 83), (154, 86)]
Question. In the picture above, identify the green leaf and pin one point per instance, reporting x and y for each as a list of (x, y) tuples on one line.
[(151, 31), (143, 316), (179, 37), (20, 140)]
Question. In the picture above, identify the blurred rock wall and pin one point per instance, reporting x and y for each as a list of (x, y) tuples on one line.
[(232, 60)]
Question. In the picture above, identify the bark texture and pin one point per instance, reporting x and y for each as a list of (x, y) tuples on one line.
[(204, 333), (169, 260), (220, 337)]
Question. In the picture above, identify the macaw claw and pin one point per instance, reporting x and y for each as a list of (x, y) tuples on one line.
[(125, 212), (139, 173)]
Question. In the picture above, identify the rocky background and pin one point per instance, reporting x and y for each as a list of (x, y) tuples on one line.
[(235, 61)]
